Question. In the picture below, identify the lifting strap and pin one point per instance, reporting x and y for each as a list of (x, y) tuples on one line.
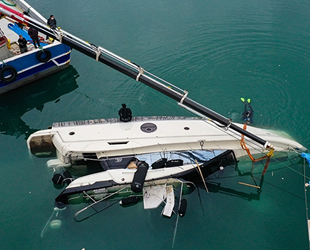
[(267, 156)]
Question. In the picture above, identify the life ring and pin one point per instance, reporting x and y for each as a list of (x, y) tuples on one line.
[(44, 56), (8, 74)]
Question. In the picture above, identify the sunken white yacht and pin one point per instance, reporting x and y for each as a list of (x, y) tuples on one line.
[(146, 152), (137, 156)]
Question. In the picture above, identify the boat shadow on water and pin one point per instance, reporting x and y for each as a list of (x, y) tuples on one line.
[(14, 104)]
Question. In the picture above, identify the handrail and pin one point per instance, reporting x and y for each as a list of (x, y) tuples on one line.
[(96, 202)]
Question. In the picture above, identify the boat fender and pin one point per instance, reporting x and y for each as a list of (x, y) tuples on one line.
[(183, 207), (129, 200), (67, 177), (44, 55), (159, 163), (139, 176), (8, 74), (58, 179)]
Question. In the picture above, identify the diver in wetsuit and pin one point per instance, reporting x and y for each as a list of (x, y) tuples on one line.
[(125, 114), (247, 114)]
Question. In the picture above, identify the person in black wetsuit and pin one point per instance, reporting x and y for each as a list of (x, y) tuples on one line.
[(125, 113), (247, 114)]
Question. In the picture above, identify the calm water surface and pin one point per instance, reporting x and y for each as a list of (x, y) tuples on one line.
[(219, 51)]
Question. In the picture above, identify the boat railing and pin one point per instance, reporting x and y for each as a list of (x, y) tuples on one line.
[(30, 10), (96, 201), (3, 39)]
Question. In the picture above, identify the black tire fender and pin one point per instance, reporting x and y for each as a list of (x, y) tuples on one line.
[(8, 74), (44, 55)]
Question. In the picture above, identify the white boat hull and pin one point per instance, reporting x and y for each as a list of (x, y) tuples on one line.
[(107, 138)]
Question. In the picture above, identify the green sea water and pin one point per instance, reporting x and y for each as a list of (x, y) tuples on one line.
[(219, 51)]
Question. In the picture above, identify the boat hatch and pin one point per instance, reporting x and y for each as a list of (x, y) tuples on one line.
[(148, 127), (42, 145)]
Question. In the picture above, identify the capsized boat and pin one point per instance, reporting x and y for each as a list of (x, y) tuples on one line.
[(138, 152), (18, 69), (128, 158)]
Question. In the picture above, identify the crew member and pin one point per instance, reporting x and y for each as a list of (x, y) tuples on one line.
[(51, 22), (34, 36), (22, 42)]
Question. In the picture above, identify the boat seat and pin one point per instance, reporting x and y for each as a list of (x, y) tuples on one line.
[(174, 163), (116, 162)]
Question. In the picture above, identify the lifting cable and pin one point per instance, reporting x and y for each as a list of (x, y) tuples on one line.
[(306, 201), (267, 156)]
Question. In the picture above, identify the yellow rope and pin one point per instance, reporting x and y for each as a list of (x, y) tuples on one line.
[(267, 156)]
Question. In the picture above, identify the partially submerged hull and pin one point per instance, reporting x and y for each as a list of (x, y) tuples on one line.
[(71, 140), (151, 168), (113, 145)]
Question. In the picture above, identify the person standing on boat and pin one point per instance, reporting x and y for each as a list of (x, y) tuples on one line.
[(247, 115), (22, 42), (34, 36), (125, 113), (51, 22)]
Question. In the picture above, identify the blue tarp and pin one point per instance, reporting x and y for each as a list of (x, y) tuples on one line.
[(14, 27), (306, 156)]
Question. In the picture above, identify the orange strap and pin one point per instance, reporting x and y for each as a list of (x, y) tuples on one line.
[(267, 156)]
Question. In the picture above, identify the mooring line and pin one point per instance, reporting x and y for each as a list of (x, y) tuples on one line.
[(306, 202)]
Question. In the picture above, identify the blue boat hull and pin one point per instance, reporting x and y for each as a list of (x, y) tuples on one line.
[(30, 68)]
